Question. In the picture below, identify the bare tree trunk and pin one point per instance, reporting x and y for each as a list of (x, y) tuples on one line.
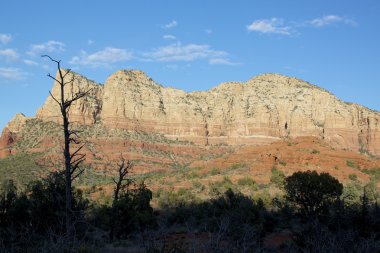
[(67, 156), (123, 170), (74, 159)]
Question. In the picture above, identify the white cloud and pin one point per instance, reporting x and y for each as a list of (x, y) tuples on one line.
[(5, 38), (51, 46), (179, 52), (31, 63), (172, 24), (101, 58), (222, 61), (9, 54), (273, 25), (278, 26), (11, 74), (169, 37), (90, 42), (331, 19)]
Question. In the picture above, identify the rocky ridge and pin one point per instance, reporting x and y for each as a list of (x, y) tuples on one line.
[(264, 109)]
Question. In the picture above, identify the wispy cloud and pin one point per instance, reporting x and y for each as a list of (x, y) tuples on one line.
[(9, 54), (90, 42), (279, 26), (31, 63), (208, 31), (179, 52), (273, 25), (169, 37), (51, 46), (171, 24), (222, 61), (330, 20), (102, 58), (5, 38), (11, 74)]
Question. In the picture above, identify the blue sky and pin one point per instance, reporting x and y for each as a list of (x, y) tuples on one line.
[(191, 45)]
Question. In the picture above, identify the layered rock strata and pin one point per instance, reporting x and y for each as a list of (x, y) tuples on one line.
[(264, 109)]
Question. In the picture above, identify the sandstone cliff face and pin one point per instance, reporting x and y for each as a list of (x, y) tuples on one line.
[(264, 109), (83, 111), (10, 132), (16, 124)]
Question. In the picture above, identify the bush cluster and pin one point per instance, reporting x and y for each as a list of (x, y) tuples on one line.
[(318, 213)]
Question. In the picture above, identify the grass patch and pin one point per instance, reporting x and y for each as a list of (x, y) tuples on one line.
[(352, 164), (235, 167), (92, 177), (246, 181), (198, 186)]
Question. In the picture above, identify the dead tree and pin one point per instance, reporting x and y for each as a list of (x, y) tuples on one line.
[(121, 184), (72, 158)]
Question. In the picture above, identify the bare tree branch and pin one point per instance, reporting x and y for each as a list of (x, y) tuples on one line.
[(77, 175), (45, 55), (67, 72), (53, 78), (76, 162), (56, 100), (123, 170), (72, 160), (75, 153)]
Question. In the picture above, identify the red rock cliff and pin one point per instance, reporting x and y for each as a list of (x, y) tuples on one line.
[(263, 109)]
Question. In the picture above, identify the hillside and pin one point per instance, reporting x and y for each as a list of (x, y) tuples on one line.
[(269, 121), (206, 158)]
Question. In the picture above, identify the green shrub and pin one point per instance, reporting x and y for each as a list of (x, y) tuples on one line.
[(372, 192), (315, 151), (312, 192), (263, 197), (192, 175), (277, 178), (352, 193), (237, 166), (374, 173), (214, 172), (353, 177), (246, 181), (220, 186), (173, 199), (230, 210), (198, 186), (352, 164)]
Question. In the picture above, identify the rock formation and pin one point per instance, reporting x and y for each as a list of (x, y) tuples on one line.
[(264, 109), (9, 133), (84, 111)]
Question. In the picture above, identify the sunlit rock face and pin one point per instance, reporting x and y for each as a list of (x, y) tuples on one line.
[(264, 109)]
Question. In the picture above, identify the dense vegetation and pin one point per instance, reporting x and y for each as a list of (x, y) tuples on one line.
[(315, 213)]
